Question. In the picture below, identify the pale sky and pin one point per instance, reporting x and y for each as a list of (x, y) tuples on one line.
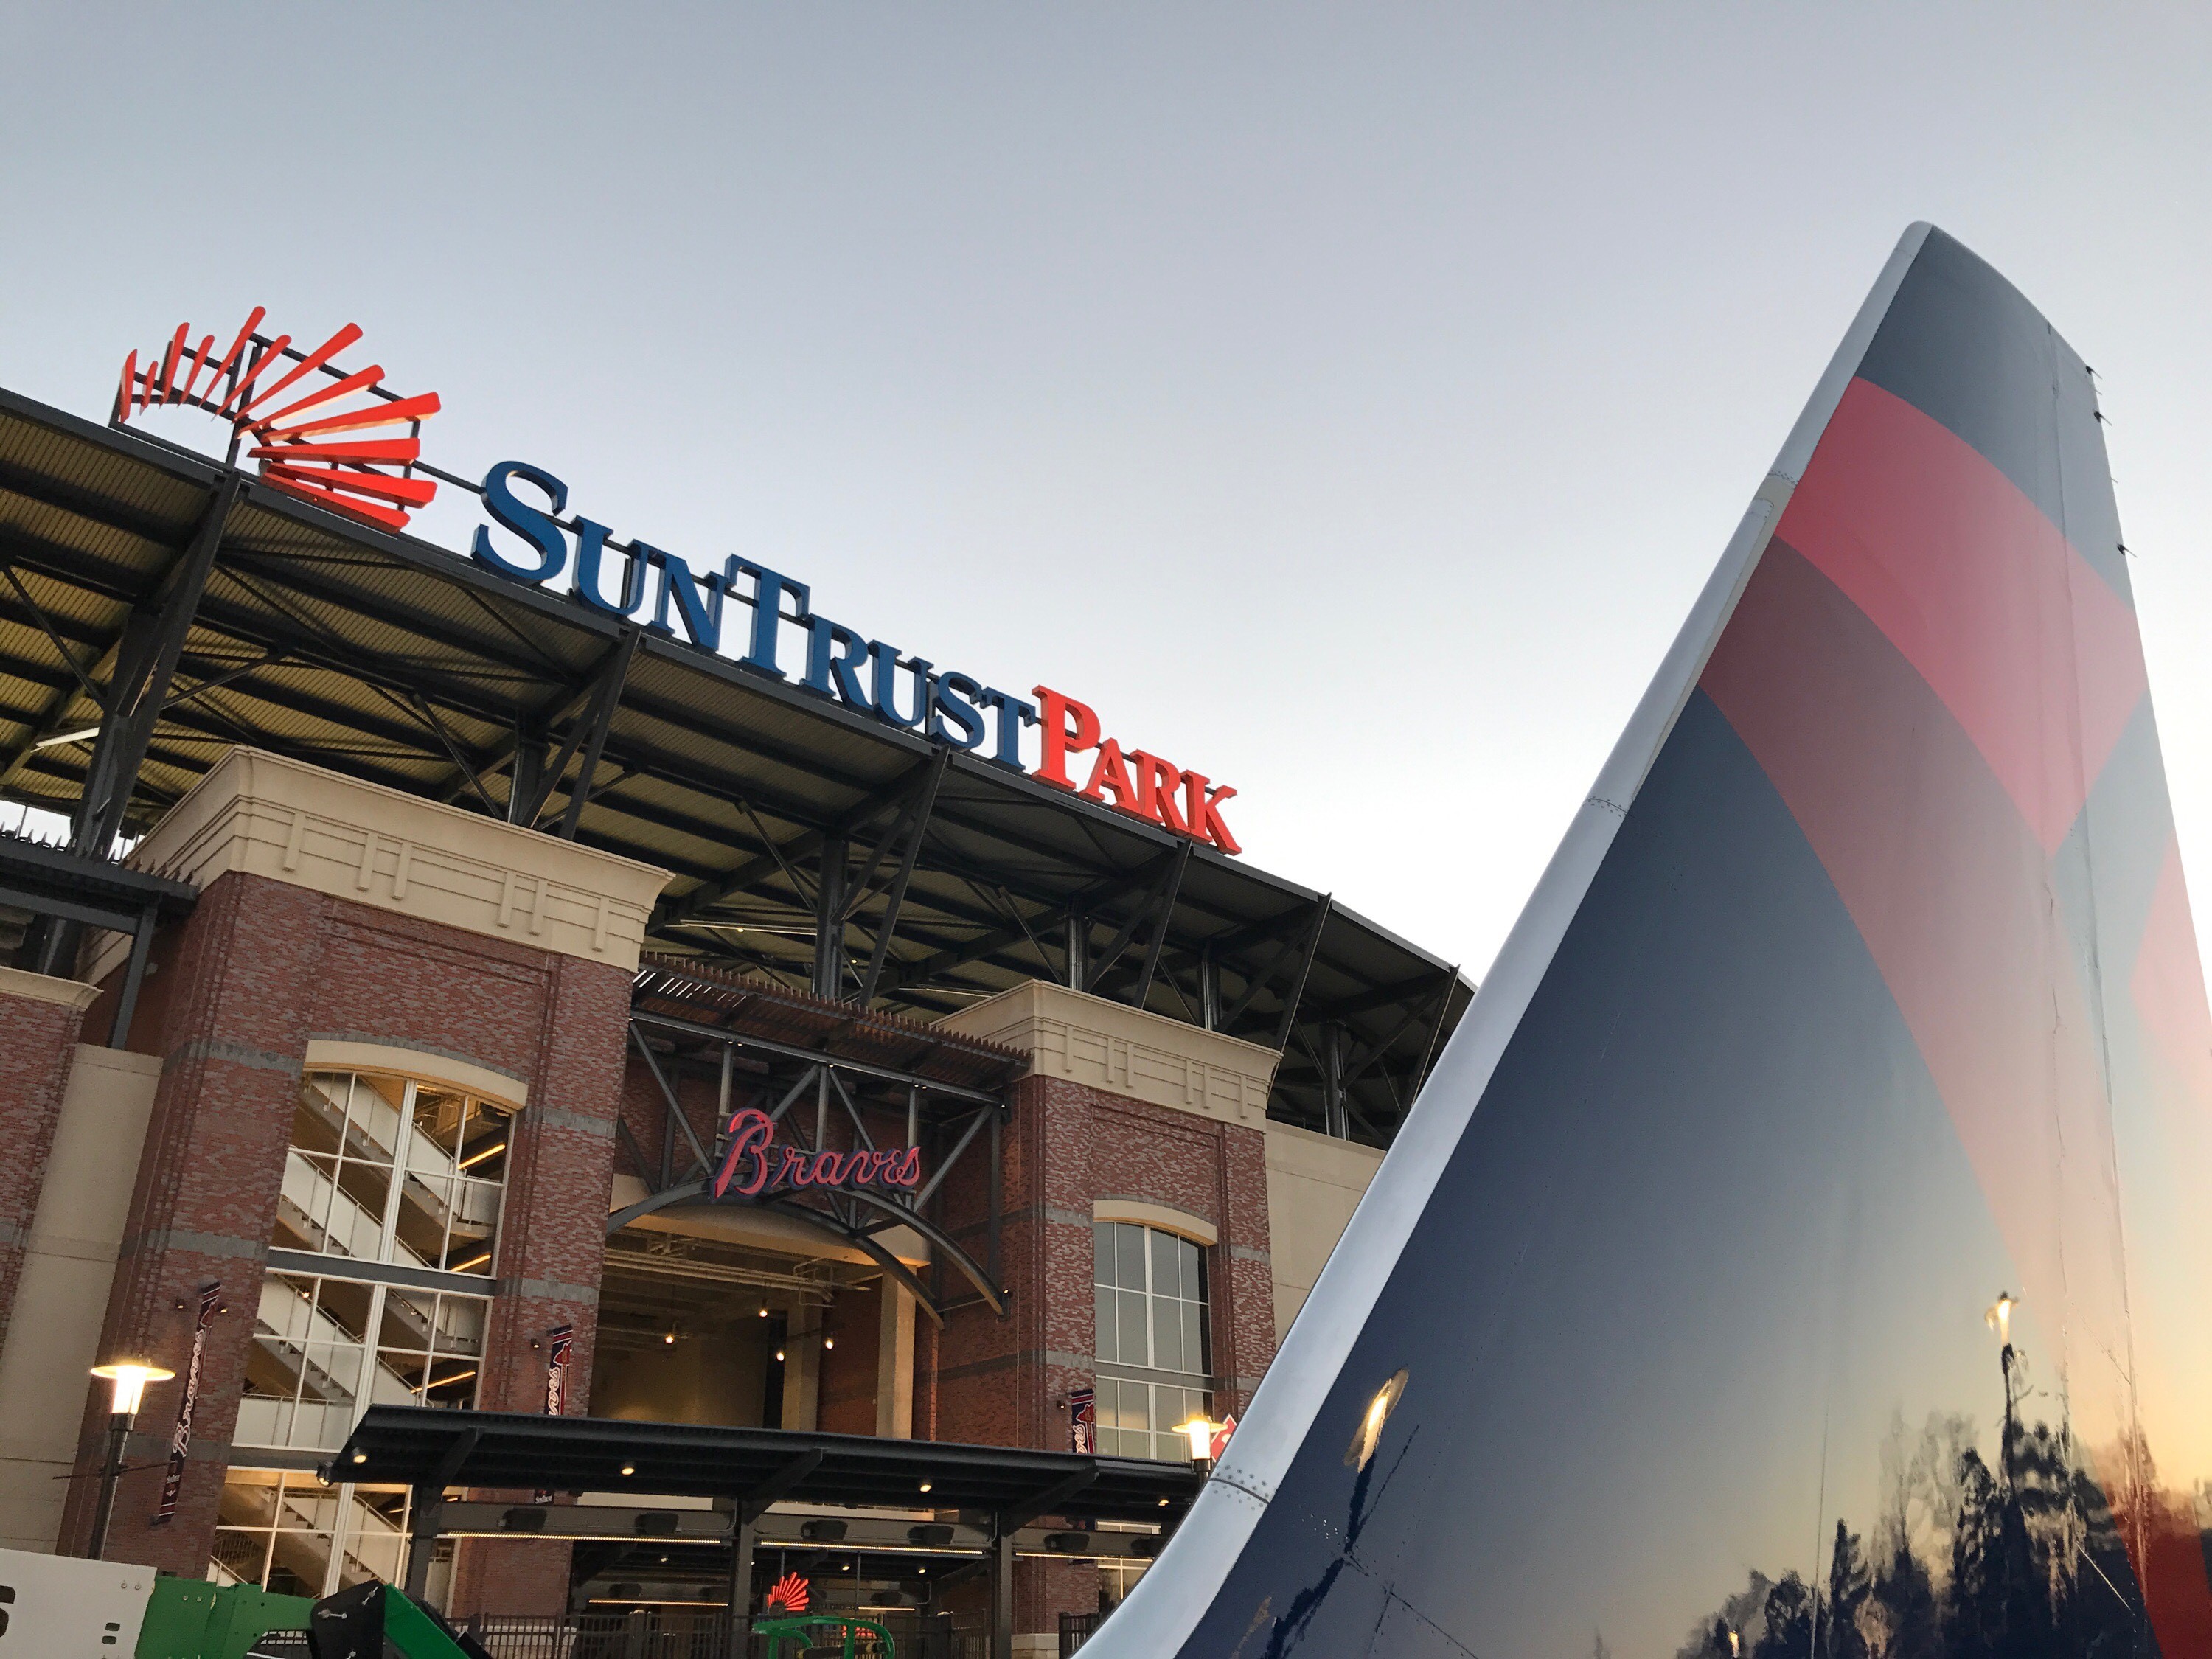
[(1346, 402)]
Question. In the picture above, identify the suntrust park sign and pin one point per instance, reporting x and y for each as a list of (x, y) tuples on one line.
[(665, 595)]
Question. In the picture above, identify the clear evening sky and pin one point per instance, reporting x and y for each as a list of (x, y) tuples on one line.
[(1346, 402)]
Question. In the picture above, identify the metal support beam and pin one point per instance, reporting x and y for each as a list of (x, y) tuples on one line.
[(1332, 1082), (426, 1502), (1002, 1591), (744, 1517), (1209, 990), (1305, 967), (134, 977), (671, 1106), (154, 638), (917, 820), (829, 922), (606, 696), (1168, 897)]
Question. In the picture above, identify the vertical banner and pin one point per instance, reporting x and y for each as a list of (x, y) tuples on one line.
[(180, 1439), (1083, 1420), (558, 1341)]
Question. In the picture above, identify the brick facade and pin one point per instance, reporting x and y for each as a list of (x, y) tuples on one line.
[(40, 1019), (285, 959)]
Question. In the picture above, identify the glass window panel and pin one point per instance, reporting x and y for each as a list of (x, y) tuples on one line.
[(411, 1319), (342, 1309), (1193, 1336), (1129, 1256), (1167, 1335), (1101, 1252), (1130, 1314), (460, 1324), (261, 1422), (438, 1120), (1193, 1270), (400, 1378), (484, 1143), (373, 1123), (240, 1557), (376, 1531), (1109, 1348), (1167, 1275), (425, 1211)]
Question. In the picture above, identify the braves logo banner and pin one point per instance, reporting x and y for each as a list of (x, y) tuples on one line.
[(752, 1135), (559, 1341), (1083, 1420), (180, 1439)]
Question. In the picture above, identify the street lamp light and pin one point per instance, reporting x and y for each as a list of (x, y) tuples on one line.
[(1200, 1432), (128, 1379)]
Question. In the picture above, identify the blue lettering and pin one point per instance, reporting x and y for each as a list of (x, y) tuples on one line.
[(526, 522), (701, 617), (1013, 714), (821, 635), (884, 660), (590, 549), (769, 589), (945, 698)]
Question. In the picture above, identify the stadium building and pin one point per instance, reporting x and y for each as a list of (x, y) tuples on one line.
[(811, 1122)]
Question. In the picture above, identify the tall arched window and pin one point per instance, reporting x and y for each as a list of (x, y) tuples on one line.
[(1152, 1340)]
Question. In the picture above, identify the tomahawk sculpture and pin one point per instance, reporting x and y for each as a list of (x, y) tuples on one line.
[(1804, 1246)]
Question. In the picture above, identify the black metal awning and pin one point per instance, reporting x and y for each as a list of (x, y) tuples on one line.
[(419, 1445), (810, 846)]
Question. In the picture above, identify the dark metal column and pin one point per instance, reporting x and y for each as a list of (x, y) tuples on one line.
[(1002, 1588), (154, 638), (829, 921), (1209, 990), (134, 976), (1335, 1119), (424, 1502)]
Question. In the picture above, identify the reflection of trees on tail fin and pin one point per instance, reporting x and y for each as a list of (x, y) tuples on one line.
[(2025, 1561)]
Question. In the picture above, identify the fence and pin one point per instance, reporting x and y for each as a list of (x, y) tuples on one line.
[(1076, 1629), (667, 1635)]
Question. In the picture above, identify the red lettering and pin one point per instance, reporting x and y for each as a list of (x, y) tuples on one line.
[(1157, 782), (749, 1134), (829, 1169), (792, 1170), (1202, 812), (908, 1170), (1112, 772), (1067, 727)]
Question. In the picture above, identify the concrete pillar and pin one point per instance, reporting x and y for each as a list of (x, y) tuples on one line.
[(895, 1363)]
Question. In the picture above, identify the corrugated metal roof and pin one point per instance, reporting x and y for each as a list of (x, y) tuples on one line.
[(387, 658)]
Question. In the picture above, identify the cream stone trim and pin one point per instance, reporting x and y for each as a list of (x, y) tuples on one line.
[(1121, 1050), (1314, 1184), (390, 1060), (288, 822), (1181, 1223), (71, 993)]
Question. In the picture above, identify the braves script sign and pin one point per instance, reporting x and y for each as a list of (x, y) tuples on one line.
[(752, 1136)]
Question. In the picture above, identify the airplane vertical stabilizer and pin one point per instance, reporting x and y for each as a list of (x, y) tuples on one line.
[(1801, 1246)]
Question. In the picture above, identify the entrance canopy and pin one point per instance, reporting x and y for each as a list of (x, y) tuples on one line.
[(417, 1445)]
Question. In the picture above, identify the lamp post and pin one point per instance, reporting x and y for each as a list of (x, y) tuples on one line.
[(129, 1378)]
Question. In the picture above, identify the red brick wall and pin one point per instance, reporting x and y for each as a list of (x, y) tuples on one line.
[(258, 971), (1006, 1382), (38, 1045)]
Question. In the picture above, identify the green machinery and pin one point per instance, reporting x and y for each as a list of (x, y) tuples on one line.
[(779, 1631)]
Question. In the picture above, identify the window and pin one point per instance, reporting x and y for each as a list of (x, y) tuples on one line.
[(1150, 1307), (352, 1135), (286, 1532), (310, 1374)]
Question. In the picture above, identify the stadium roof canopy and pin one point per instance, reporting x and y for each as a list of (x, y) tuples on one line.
[(390, 660)]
